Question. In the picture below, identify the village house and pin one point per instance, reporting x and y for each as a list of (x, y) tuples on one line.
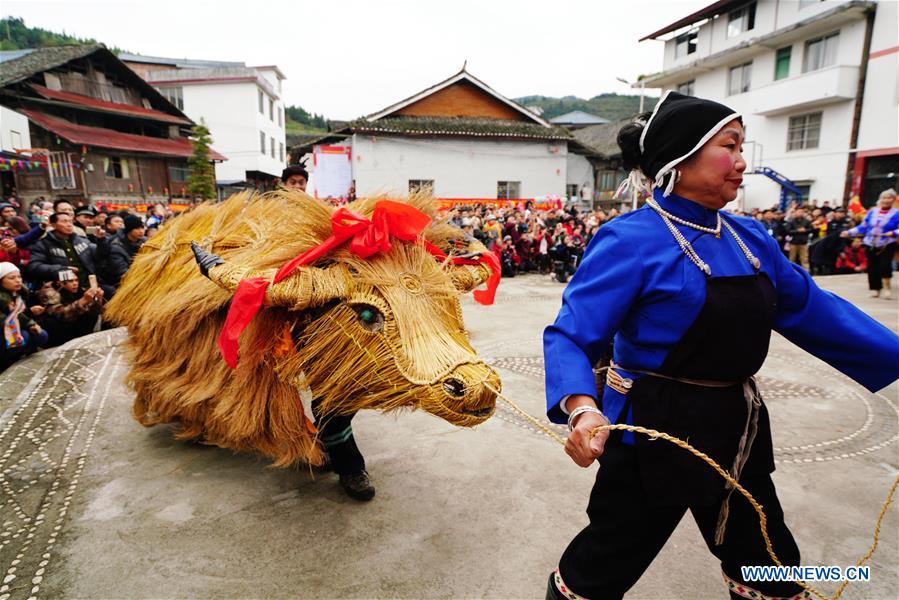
[(577, 119), (242, 107), (79, 124), (817, 85), (460, 139)]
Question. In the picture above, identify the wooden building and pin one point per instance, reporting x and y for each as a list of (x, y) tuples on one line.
[(98, 132)]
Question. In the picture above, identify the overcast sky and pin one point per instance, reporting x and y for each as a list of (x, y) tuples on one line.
[(346, 58)]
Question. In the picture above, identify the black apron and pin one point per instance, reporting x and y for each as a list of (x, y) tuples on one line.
[(727, 342)]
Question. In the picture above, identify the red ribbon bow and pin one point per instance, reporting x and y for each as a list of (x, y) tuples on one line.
[(366, 238)]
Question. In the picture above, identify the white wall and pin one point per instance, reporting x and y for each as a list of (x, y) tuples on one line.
[(879, 127), (459, 168), (579, 172), (770, 16), (231, 111), (14, 131)]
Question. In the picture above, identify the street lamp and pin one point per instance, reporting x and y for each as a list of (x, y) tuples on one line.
[(642, 88)]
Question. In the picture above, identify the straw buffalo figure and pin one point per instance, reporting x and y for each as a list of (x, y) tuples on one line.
[(382, 332)]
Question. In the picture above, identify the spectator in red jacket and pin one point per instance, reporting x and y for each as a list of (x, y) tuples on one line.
[(853, 258)]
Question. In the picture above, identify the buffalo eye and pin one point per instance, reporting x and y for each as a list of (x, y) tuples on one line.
[(370, 318)]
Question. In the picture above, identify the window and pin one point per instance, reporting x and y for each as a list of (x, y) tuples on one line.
[(740, 20), (739, 79), (271, 109), (804, 132), (62, 175), (280, 117), (281, 152), (685, 44), (508, 189), (272, 147), (174, 95), (421, 185), (782, 63), (261, 102), (262, 142), (608, 180), (178, 174), (686, 88), (571, 191), (116, 167), (821, 52)]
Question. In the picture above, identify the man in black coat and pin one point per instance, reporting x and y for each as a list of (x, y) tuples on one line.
[(63, 249), (122, 249), (799, 228)]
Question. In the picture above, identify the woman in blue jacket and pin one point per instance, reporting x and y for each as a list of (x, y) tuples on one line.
[(880, 229), (689, 295)]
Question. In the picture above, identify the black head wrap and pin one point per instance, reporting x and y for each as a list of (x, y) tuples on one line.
[(679, 126), (297, 169)]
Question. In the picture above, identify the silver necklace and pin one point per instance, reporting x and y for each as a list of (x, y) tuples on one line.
[(716, 230), (687, 248)]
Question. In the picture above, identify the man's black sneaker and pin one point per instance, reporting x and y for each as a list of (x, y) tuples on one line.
[(325, 467), (358, 486)]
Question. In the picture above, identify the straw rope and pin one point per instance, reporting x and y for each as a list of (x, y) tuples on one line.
[(763, 519)]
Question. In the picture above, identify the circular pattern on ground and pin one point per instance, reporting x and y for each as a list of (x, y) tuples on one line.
[(47, 433), (878, 429)]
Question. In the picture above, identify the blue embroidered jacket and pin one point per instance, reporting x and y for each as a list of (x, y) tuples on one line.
[(636, 284), (875, 225)]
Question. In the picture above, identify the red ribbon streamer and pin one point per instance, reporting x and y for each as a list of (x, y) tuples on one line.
[(366, 238), (490, 259)]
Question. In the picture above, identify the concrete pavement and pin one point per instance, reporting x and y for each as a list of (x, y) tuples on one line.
[(96, 506)]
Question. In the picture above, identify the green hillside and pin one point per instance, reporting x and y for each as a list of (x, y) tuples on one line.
[(15, 35), (609, 106)]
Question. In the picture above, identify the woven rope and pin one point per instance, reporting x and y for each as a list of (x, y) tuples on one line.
[(763, 519)]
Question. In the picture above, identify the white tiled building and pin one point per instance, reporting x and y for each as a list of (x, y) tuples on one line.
[(817, 83), (242, 106)]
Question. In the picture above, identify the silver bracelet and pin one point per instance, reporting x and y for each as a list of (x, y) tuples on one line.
[(581, 410)]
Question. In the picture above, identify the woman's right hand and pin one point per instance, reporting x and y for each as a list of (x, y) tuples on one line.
[(583, 449)]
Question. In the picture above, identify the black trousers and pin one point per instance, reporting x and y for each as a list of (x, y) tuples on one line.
[(880, 265), (627, 531), (336, 435)]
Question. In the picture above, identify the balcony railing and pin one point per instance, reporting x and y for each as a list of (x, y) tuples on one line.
[(809, 90)]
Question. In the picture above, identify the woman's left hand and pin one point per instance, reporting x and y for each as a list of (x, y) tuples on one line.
[(581, 445)]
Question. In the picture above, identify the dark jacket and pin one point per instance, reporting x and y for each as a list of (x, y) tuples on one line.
[(48, 257), (121, 254), (797, 237)]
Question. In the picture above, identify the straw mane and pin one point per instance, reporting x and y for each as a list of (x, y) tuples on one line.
[(174, 315)]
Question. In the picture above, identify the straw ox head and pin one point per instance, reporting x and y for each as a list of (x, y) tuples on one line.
[(384, 331)]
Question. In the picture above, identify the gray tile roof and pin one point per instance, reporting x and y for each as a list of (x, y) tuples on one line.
[(459, 126), (602, 138), (23, 64), (578, 117)]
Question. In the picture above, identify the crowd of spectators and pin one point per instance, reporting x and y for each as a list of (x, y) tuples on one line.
[(59, 264), (553, 241)]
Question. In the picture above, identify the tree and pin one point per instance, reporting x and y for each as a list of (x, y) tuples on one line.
[(201, 177)]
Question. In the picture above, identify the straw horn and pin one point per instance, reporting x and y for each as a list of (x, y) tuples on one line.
[(305, 287)]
